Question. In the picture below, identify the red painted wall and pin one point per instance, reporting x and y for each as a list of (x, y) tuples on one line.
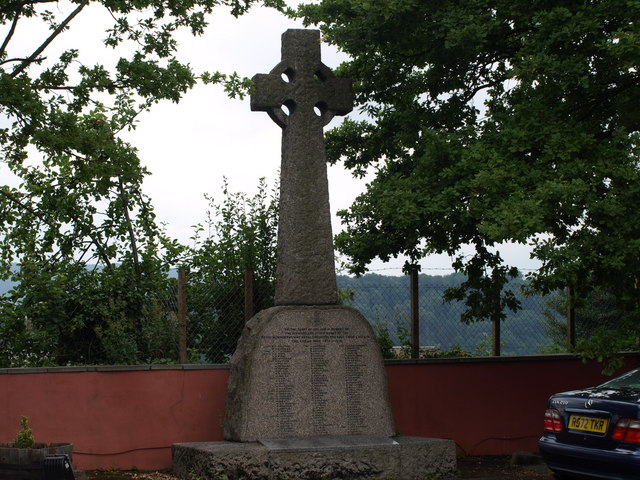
[(129, 418), (116, 419), (489, 408)]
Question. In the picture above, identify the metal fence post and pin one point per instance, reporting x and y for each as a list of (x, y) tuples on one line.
[(415, 315), (182, 315), (248, 294), (496, 338), (571, 315)]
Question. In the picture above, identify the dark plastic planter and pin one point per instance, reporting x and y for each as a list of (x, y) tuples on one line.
[(26, 463)]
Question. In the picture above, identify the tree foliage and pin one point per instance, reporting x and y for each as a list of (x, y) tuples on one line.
[(81, 315), (603, 327), (490, 121), (71, 313), (73, 215), (239, 234)]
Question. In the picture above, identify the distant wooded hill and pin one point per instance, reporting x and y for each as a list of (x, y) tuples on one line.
[(386, 300)]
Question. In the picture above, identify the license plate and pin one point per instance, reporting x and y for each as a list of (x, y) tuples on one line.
[(588, 424)]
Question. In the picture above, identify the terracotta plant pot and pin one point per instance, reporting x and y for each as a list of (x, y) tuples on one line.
[(27, 462)]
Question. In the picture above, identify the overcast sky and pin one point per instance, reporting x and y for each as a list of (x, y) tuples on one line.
[(189, 147)]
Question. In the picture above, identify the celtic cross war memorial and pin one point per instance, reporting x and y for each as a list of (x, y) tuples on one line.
[(300, 367), (307, 391)]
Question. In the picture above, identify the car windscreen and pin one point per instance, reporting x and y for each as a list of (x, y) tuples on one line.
[(628, 380)]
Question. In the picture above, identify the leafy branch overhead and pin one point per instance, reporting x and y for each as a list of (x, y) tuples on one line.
[(71, 184), (491, 121), (73, 214)]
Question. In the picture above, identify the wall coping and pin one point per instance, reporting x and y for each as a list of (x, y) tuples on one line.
[(113, 368), (219, 366), (501, 359)]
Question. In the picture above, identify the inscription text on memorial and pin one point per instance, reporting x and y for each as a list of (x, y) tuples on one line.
[(323, 376), (335, 352)]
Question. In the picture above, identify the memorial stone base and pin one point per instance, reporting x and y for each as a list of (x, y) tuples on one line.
[(308, 400), (307, 371), (352, 457)]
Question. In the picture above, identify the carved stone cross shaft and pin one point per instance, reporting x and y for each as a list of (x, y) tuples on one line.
[(302, 95)]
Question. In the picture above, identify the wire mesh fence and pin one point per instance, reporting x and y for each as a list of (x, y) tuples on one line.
[(214, 315), (199, 319), (386, 303)]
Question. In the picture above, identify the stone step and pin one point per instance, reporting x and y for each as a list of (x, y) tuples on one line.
[(352, 457)]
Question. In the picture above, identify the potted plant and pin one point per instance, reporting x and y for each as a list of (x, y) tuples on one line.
[(25, 455)]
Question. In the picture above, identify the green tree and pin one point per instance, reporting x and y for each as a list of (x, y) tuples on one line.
[(71, 313), (71, 190), (599, 309), (239, 234), (490, 121), (602, 327)]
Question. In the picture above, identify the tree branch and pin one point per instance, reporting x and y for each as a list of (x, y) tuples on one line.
[(478, 88), (40, 216), (30, 60), (132, 235), (46, 43), (589, 106), (11, 30), (18, 5), (17, 201), (112, 85)]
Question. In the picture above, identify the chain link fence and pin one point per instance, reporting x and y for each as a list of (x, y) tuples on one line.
[(213, 316), (198, 319), (441, 332)]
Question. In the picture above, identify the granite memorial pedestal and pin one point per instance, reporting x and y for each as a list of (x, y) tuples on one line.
[(347, 457)]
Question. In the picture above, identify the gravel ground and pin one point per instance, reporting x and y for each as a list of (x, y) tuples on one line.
[(529, 467)]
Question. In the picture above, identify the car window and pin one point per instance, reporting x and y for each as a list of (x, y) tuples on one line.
[(628, 380)]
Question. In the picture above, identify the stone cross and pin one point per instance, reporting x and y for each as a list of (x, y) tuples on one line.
[(302, 95)]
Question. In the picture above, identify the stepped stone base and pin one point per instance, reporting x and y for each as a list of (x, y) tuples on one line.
[(352, 457)]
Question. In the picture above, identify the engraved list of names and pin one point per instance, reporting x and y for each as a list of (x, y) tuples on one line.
[(317, 378)]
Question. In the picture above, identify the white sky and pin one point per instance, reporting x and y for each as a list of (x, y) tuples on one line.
[(189, 147)]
